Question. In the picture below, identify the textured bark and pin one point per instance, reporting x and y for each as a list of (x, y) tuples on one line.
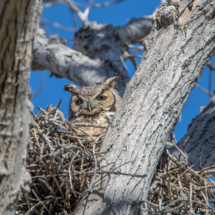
[(17, 26), (202, 138), (97, 54), (178, 48)]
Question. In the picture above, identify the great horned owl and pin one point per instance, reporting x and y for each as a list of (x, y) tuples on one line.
[(91, 108)]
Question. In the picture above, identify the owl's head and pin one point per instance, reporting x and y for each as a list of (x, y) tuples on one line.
[(88, 101)]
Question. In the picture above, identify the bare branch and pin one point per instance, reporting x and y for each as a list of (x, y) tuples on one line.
[(209, 85), (82, 16), (106, 54), (62, 61), (211, 66), (138, 48), (74, 20), (163, 1), (57, 25), (204, 90), (52, 3), (75, 70), (105, 4), (42, 81)]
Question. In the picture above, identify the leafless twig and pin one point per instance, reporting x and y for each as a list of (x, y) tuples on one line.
[(57, 25), (82, 16), (105, 4), (203, 89)]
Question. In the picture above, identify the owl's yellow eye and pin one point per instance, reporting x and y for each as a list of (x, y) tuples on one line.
[(101, 97), (78, 101)]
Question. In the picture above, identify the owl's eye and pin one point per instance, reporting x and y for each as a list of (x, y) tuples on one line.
[(101, 97), (79, 102)]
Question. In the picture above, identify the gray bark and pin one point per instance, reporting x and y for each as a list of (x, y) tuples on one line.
[(202, 138), (17, 27), (178, 48), (97, 54)]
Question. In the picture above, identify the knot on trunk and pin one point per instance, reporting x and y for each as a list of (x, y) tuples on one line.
[(165, 15)]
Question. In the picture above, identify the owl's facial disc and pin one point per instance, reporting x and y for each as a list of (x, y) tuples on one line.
[(87, 105)]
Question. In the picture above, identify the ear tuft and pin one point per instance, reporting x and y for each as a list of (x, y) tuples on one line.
[(111, 82), (71, 88)]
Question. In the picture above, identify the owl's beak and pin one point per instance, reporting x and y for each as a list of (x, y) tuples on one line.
[(89, 106)]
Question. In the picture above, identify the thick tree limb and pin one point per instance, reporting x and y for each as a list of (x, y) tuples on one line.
[(52, 54), (202, 138), (104, 46), (176, 52), (18, 22)]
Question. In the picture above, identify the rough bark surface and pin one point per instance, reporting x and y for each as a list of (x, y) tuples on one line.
[(179, 46), (18, 19), (98, 52), (202, 138)]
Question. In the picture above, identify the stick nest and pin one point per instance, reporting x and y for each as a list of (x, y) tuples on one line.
[(178, 189), (62, 163)]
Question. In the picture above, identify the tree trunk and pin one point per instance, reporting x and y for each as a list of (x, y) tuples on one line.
[(17, 27), (176, 52), (202, 138)]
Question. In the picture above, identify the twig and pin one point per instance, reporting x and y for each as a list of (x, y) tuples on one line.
[(204, 90), (95, 168), (139, 48), (134, 56), (40, 201), (89, 125), (74, 20), (62, 150), (58, 25), (209, 88), (191, 194), (211, 66), (82, 16), (70, 176), (206, 193), (182, 174), (185, 157), (185, 143), (35, 136), (112, 172), (52, 3), (105, 4), (42, 82)]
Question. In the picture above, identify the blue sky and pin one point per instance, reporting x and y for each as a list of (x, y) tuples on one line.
[(118, 14)]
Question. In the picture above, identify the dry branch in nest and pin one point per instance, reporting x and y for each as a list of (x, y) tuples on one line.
[(62, 164)]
